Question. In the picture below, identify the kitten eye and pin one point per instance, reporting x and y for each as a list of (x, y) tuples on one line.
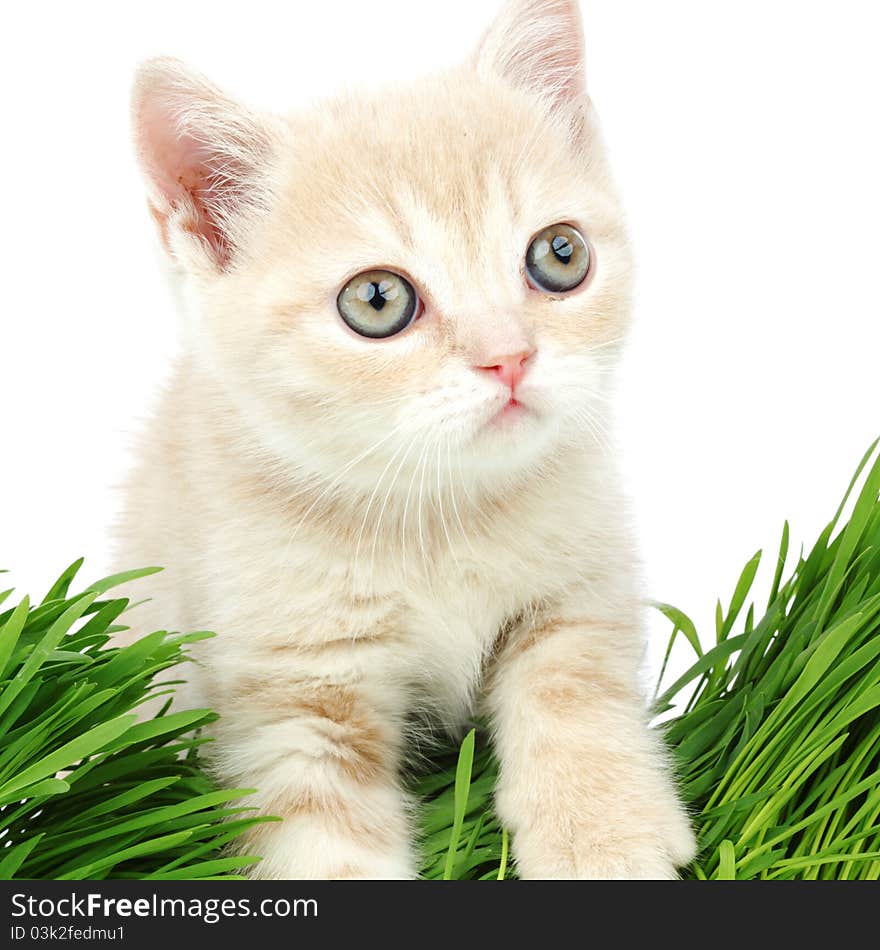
[(558, 259), (378, 303)]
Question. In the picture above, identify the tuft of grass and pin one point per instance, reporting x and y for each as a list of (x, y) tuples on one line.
[(86, 790), (775, 728)]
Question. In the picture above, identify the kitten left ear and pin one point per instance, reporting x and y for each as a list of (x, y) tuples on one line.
[(204, 159), (538, 45)]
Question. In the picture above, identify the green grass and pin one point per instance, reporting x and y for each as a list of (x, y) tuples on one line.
[(775, 732), (87, 791), (775, 728)]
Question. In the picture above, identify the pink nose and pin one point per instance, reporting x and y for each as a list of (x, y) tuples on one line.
[(509, 369)]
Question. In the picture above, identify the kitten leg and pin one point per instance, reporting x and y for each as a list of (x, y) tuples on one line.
[(584, 785), (324, 758)]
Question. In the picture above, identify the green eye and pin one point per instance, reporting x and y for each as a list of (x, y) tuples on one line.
[(558, 259), (377, 303)]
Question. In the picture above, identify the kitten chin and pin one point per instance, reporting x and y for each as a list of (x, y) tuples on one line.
[(382, 470)]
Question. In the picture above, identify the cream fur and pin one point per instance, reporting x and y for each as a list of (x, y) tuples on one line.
[(338, 510)]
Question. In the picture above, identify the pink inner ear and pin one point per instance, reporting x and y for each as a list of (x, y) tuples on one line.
[(538, 44), (182, 171), (561, 56)]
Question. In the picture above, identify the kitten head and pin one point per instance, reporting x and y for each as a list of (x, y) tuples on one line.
[(431, 279)]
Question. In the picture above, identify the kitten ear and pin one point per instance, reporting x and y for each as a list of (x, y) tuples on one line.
[(537, 45), (202, 155)]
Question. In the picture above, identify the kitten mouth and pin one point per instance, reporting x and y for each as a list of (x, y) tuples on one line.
[(510, 413)]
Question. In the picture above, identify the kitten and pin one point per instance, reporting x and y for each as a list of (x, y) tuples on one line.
[(379, 470)]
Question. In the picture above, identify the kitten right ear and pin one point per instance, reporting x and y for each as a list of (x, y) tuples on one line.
[(537, 45), (203, 156)]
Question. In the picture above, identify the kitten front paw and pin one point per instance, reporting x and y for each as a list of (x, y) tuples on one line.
[(379, 869), (622, 850), (332, 860)]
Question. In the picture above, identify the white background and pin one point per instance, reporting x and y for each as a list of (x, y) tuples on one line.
[(745, 139)]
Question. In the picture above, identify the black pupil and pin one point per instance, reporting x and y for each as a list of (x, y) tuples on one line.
[(562, 249), (375, 297)]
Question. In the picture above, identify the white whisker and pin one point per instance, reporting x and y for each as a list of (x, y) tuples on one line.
[(376, 533), (464, 533), (440, 504), (376, 487)]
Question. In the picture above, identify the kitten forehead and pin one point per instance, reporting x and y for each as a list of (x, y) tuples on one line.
[(457, 172), (416, 235)]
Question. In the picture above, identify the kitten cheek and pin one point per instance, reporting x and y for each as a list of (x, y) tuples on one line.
[(372, 379)]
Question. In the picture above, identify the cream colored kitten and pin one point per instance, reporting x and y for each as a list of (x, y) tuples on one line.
[(379, 472)]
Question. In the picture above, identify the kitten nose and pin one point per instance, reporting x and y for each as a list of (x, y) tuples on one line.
[(509, 369)]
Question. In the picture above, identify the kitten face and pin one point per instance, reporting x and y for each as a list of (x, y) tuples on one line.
[(444, 183)]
